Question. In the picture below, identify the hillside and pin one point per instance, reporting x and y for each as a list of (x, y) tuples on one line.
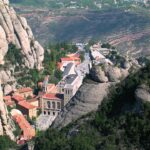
[(127, 30), (19, 52), (97, 4), (121, 122)]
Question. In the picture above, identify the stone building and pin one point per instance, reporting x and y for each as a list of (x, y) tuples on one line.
[(25, 92), (69, 86), (27, 109), (51, 104)]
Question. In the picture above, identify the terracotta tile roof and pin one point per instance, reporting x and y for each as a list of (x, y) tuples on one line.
[(10, 103), (66, 59), (7, 98), (51, 88), (23, 90), (32, 100), (74, 58), (26, 105), (73, 55), (28, 130), (51, 96), (18, 98)]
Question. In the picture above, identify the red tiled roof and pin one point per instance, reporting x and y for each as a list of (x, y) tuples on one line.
[(51, 88), (73, 55), (9, 103), (23, 90), (32, 100), (51, 96), (18, 98), (66, 59), (28, 130), (74, 58), (7, 98), (26, 105)]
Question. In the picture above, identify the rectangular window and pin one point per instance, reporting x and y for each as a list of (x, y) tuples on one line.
[(58, 105), (53, 105)]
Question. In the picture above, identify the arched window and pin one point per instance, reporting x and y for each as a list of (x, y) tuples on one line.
[(49, 113), (53, 113), (44, 112), (53, 105), (49, 104)]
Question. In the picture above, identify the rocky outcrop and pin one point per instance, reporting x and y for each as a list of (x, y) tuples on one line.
[(14, 29), (98, 74), (87, 99), (6, 125), (142, 93), (107, 73)]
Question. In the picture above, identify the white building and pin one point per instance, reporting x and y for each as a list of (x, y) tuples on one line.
[(69, 86)]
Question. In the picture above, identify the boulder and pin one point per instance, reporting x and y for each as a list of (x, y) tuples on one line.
[(142, 93), (97, 74), (87, 99), (7, 89), (113, 73)]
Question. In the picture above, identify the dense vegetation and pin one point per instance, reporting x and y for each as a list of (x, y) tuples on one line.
[(116, 125), (13, 56), (6, 143), (29, 77), (68, 3)]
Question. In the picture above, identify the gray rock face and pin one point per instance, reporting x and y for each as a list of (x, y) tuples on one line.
[(98, 75), (14, 29), (107, 73), (142, 93), (86, 100), (7, 89), (6, 126), (113, 73)]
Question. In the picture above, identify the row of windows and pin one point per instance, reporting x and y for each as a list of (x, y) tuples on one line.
[(49, 113), (53, 105), (68, 91)]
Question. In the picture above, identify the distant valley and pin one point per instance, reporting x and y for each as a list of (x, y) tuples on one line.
[(124, 29), (123, 23)]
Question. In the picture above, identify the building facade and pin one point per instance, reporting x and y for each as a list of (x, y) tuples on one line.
[(27, 109), (69, 86), (25, 92), (51, 104)]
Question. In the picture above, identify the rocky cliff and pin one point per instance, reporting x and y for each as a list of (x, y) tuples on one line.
[(6, 124), (14, 29), (93, 91), (86, 100)]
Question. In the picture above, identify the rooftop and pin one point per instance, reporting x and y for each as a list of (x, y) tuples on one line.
[(18, 98), (74, 58), (28, 130), (70, 78), (10, 103), (51, 88), (7, 98), (66, 59), (51, 96), (23, 90), (26, 105), (67, 69), (32, 100), (73, 55)]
